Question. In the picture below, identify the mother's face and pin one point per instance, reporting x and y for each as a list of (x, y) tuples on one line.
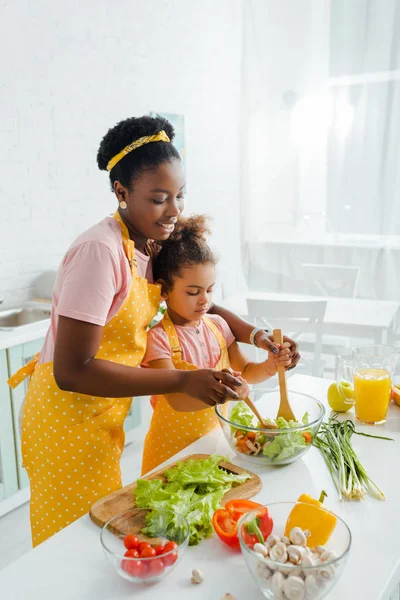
[(155, 200)]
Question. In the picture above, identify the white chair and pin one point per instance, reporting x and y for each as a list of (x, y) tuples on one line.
[(296, 318), (330, 280)]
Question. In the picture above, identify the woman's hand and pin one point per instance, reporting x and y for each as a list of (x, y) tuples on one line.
[(211, 387), (267, 343)]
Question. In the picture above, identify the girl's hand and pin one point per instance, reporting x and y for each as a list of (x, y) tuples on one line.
[(282, 359), (267, 343), (211, 387)]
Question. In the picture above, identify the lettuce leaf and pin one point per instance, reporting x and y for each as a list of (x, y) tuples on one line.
[(194, 489)]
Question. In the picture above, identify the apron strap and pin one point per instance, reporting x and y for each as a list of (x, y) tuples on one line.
[(173, 339), (129, 245), (23, 372)]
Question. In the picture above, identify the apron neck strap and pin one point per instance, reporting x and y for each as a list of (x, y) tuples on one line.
[(129, 245), (173, 339)]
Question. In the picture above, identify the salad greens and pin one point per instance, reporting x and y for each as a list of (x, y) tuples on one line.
[(276, 447), (194, 489)]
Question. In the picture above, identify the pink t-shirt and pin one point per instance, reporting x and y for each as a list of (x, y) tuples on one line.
[(199, 345), (93, 279)]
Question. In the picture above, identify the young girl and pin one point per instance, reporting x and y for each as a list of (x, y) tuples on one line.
[(188, 339)]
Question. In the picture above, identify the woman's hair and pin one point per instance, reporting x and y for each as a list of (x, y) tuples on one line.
[(148, 156), (185, 247)]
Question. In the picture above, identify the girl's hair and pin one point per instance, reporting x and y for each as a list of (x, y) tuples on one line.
[(148, 156), (185, 247)]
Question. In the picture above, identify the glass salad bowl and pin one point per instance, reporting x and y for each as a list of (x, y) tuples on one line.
[(142, 558), (294, 569), (265, 446)]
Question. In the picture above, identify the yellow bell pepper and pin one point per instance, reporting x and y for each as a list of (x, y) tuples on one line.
[(314, 517)]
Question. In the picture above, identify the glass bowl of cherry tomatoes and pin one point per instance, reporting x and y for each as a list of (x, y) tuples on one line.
[(141, 553)]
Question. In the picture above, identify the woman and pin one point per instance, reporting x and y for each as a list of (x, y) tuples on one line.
[(82, 383)]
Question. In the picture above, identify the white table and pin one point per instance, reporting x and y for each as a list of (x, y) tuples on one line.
[(71, 565), (350, 317)]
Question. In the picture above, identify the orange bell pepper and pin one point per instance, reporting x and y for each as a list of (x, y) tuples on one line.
[(312, 515)]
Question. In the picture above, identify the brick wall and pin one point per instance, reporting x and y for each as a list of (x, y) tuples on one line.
[(70, 70)]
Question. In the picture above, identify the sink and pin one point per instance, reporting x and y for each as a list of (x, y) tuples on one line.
[(22, 316)]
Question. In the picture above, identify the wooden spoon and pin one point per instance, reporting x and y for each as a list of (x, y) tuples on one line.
[(284, 410), (252, 407)]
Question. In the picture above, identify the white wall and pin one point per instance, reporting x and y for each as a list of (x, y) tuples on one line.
[(69, 71), (286, 48)]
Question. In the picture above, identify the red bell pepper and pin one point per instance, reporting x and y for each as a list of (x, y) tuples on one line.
[(225, 522)]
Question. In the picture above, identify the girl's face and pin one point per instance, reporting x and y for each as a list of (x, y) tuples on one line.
[(191, 293), (154, 201)]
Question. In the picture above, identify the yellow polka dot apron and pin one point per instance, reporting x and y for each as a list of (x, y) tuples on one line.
[(72, 443), (170, 430)]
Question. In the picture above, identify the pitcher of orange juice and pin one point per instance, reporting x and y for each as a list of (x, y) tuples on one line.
[(370, 370)]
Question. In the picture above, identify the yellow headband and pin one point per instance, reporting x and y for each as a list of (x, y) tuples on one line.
[(161, 136)]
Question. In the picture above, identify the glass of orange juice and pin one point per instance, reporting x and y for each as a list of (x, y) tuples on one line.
[(370, 370)]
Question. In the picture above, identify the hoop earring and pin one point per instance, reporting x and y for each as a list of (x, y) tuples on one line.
[(123, 205)]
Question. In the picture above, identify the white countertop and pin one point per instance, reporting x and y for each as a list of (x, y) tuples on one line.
[(71, 565), (22, 335)]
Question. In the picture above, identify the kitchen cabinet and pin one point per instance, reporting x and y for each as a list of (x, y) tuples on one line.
[(8, 464)]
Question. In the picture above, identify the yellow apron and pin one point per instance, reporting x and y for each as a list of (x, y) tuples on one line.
[(72, 443), (170, 430)]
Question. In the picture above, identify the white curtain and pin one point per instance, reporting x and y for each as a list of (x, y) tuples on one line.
[(321, 135)]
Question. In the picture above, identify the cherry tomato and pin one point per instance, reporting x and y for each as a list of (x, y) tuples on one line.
[(170, 546), (143, 545), (147, 552), (170, 559), (131, 542), (135, 568), (156, 567), (159, 550), (132, 553)]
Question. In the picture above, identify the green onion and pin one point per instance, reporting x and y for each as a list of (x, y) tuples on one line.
[(348, 474)]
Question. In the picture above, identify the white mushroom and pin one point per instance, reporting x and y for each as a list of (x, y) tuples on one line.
[(311, 586), (295, 554), (326, 573), (272, 540), (255, 448), (262, 570), (307, 533), (261, 549), (308, 560), (285, 540), (320, 549), (327, 555), (276, 583), (294, 588), (296, 573), (197, 576), (278, 552), (297, 537)]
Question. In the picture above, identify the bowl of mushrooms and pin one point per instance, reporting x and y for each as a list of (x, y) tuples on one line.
[(287, 566)]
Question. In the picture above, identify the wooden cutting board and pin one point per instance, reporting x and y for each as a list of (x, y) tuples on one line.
[(103, 510)]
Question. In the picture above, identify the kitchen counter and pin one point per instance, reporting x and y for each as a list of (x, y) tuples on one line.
[(71, 565), (22, 335)]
